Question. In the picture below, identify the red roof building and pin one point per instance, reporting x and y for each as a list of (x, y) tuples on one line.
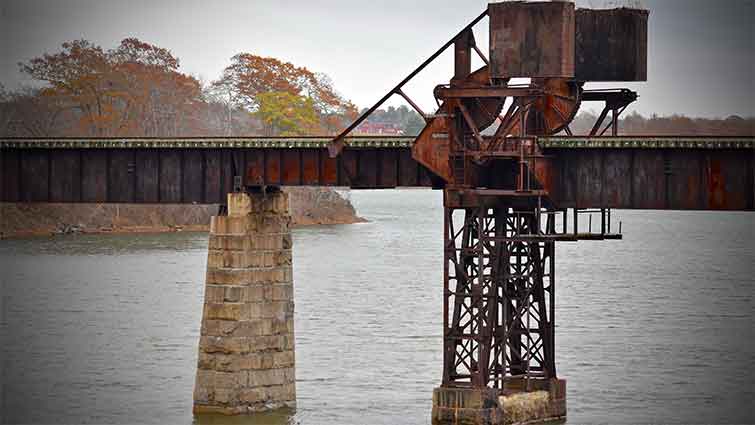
[(378, 128)]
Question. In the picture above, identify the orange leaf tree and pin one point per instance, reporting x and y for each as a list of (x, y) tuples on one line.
[(132, 90), (250, 76)]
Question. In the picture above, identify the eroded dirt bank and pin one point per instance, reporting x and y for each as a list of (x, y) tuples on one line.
[(309, 206)]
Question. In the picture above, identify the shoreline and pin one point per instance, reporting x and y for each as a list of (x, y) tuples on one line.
[(35, 234), (20, 220)]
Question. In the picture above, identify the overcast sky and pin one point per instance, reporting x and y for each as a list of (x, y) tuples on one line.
[(701, 57)]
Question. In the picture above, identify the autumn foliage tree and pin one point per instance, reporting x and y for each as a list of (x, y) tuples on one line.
[(250, 80), (132, 90), (286, 114)]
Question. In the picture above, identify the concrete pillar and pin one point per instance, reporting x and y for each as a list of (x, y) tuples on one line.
[(246, 347)]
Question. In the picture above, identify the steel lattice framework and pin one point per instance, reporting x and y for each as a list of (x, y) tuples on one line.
[(499, 283)]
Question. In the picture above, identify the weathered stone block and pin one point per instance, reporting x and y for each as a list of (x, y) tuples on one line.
[(269, 377), (206, 361), (223, 344), (221, 259), (214, 294), (232, 242), (270, 275), (229, 362), (228, 311), (253, 395), (256, 310), (269, 343), (283, 326), (203, 386), (282, 392), (279, 292), (240, 226), (466, 406), (286, 392), (272, 242), (232, 294), (282, 257), (227, 395), (288, 274), (253, 294), (212, 327), (283, 359), (289, 339), (254, 328), (219, 276), (271, 309), (239, 204), (243, 204), (230, 379), (273, 224), (526, 406), (249, 276)]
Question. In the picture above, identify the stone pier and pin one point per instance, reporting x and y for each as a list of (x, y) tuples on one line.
[(246, 347), (521, 403)]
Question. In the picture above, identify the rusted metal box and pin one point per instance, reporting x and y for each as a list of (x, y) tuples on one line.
[(531, 39), (611, 44)]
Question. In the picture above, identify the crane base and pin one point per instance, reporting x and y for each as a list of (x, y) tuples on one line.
[(545, 401)]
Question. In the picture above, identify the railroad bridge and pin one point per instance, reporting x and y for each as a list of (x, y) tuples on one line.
[(511, 191), (640, 172)]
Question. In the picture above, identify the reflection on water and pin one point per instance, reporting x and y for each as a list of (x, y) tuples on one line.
[(654, 328), (109, 244), (283, 416)]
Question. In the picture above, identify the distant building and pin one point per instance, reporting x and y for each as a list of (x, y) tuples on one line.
[(378, 128)]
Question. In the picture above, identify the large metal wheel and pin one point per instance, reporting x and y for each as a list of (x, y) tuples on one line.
[(483, 111), (551, 113)]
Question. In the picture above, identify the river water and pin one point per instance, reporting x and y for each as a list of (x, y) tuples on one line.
[(657, 328)]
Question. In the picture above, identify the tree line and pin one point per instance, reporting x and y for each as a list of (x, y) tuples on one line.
[(137, 90), (635, 124)]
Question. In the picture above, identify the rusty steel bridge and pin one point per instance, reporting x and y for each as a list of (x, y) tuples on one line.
[(643, 172)]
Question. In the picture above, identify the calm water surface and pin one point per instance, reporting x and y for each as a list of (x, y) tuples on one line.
[(657, 328)]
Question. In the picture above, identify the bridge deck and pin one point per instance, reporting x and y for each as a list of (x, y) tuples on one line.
[(621, 172)]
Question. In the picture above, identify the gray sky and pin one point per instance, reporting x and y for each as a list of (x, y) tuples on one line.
[(701, 57)]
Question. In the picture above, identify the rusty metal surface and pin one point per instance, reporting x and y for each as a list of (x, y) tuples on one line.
[(298, 142), (531, 39), (619, 172), (432, 146), (611, 44), (498, 296), (660, 178), (648, 142), (371, 142), (192, 175)]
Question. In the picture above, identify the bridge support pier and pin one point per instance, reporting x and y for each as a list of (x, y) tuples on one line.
[(246, 347), (498, 314)]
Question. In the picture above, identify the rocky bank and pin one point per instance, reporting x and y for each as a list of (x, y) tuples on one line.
[(309, 206)]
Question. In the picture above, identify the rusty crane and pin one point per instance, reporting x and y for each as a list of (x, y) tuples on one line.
[(502, 214)]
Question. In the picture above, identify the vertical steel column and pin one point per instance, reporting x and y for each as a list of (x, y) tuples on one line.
[(498, 267)]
